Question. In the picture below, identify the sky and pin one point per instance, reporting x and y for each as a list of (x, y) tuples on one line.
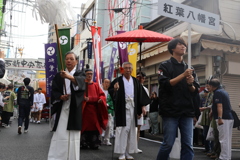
[(29, 33)]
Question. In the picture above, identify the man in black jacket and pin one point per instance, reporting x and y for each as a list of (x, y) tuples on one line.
[(178, 88), (2, 64), (25, 102)]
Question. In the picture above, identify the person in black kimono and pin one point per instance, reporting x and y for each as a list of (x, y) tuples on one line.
[(130, 100), (67, 105), (2, 64)]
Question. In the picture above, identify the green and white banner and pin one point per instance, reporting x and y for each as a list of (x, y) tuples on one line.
[(65, 44)]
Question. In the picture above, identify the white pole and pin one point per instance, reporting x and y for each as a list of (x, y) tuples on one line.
[(189, 45)]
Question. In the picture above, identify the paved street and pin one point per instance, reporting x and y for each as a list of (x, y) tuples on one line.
[(34, 145)]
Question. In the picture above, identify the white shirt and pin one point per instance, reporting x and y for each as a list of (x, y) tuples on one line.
[(147, 106), (68, 82), (128, 87), (41, 99), (105, 92), (35, 99)]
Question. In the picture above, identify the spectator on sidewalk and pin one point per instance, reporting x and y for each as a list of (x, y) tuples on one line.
[(9, 97), (205, 121), (221, 110), (25, 102), (153, 113)]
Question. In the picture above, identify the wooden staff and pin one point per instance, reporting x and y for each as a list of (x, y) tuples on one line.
[(60, 56)]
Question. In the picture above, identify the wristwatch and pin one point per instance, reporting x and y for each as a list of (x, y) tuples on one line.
[(219, 117)]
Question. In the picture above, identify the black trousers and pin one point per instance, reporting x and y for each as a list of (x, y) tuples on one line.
[(6, 117), (24, 112)]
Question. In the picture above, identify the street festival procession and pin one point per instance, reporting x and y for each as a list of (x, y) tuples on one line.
[(120, 80)]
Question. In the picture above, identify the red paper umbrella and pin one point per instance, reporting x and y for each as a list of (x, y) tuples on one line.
[(140, 35)]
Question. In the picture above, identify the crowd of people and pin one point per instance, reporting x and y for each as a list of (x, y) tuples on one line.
[(87, 115), (17, 102)]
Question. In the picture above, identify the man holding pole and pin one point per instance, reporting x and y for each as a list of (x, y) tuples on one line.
[(178, 87), (67, 95)]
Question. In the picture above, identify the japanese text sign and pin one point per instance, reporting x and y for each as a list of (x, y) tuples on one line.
[(51, 65), (188, 14), (22, 63)]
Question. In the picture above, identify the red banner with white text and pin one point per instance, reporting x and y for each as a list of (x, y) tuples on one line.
[(96, 39)]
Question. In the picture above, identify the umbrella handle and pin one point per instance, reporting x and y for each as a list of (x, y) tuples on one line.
[(140, 56)]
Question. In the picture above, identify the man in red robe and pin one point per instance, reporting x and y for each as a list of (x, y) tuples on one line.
[(94, 113)]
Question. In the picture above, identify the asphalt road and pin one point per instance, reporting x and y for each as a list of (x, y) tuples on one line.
[(34, 145)]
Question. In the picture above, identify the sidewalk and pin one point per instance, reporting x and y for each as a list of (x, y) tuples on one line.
[(198, 154)]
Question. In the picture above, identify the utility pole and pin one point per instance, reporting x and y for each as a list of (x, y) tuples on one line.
[(130, 15)]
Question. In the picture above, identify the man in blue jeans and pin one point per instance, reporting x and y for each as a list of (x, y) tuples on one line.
[(178, 89)]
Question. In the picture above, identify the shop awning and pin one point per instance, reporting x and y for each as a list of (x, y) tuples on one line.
[(226, 47), (160, 48)]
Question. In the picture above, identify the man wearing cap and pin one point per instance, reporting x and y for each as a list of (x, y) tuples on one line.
[(130, 100), (94, 113), (141, 77), (205, 121)]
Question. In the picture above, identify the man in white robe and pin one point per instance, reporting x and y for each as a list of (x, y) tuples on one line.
[(130, 101), (67, 104)]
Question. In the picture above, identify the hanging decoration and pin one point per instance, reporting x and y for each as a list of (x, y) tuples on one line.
[(53, 11)]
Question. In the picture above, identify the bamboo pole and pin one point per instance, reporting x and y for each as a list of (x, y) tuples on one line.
[(60, 55)]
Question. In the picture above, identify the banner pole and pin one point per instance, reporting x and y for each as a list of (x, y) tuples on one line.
[(189, 45), (60, 55)]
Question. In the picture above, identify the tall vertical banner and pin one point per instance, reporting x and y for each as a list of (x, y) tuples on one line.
[(132, 56), (122, 50), (111, 65), (89, 50), (96, 40), (76, 39), (65, 45), (51, 65)]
